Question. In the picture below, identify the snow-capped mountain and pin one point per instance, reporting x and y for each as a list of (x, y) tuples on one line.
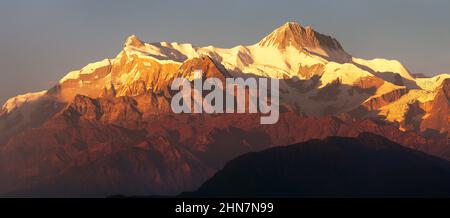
[(311, 65), (119, 109)]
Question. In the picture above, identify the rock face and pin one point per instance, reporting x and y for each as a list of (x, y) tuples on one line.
[(110, 124), (377, 102), (366, 166), (438, 118)]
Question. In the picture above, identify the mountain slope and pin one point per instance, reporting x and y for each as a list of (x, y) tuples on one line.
[(366, 166), (90, 151)]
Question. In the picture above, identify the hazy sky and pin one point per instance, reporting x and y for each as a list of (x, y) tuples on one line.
[(41, 40)]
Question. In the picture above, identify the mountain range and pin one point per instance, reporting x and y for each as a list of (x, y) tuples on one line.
[(108, 128)]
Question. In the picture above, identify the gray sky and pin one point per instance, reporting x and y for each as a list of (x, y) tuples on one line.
[(41, 40)]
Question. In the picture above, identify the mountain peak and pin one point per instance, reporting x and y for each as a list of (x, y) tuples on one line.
[(134, 41), (293, 26), (293, 34)]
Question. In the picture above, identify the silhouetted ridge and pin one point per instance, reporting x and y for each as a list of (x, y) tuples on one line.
[(366, 166)]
